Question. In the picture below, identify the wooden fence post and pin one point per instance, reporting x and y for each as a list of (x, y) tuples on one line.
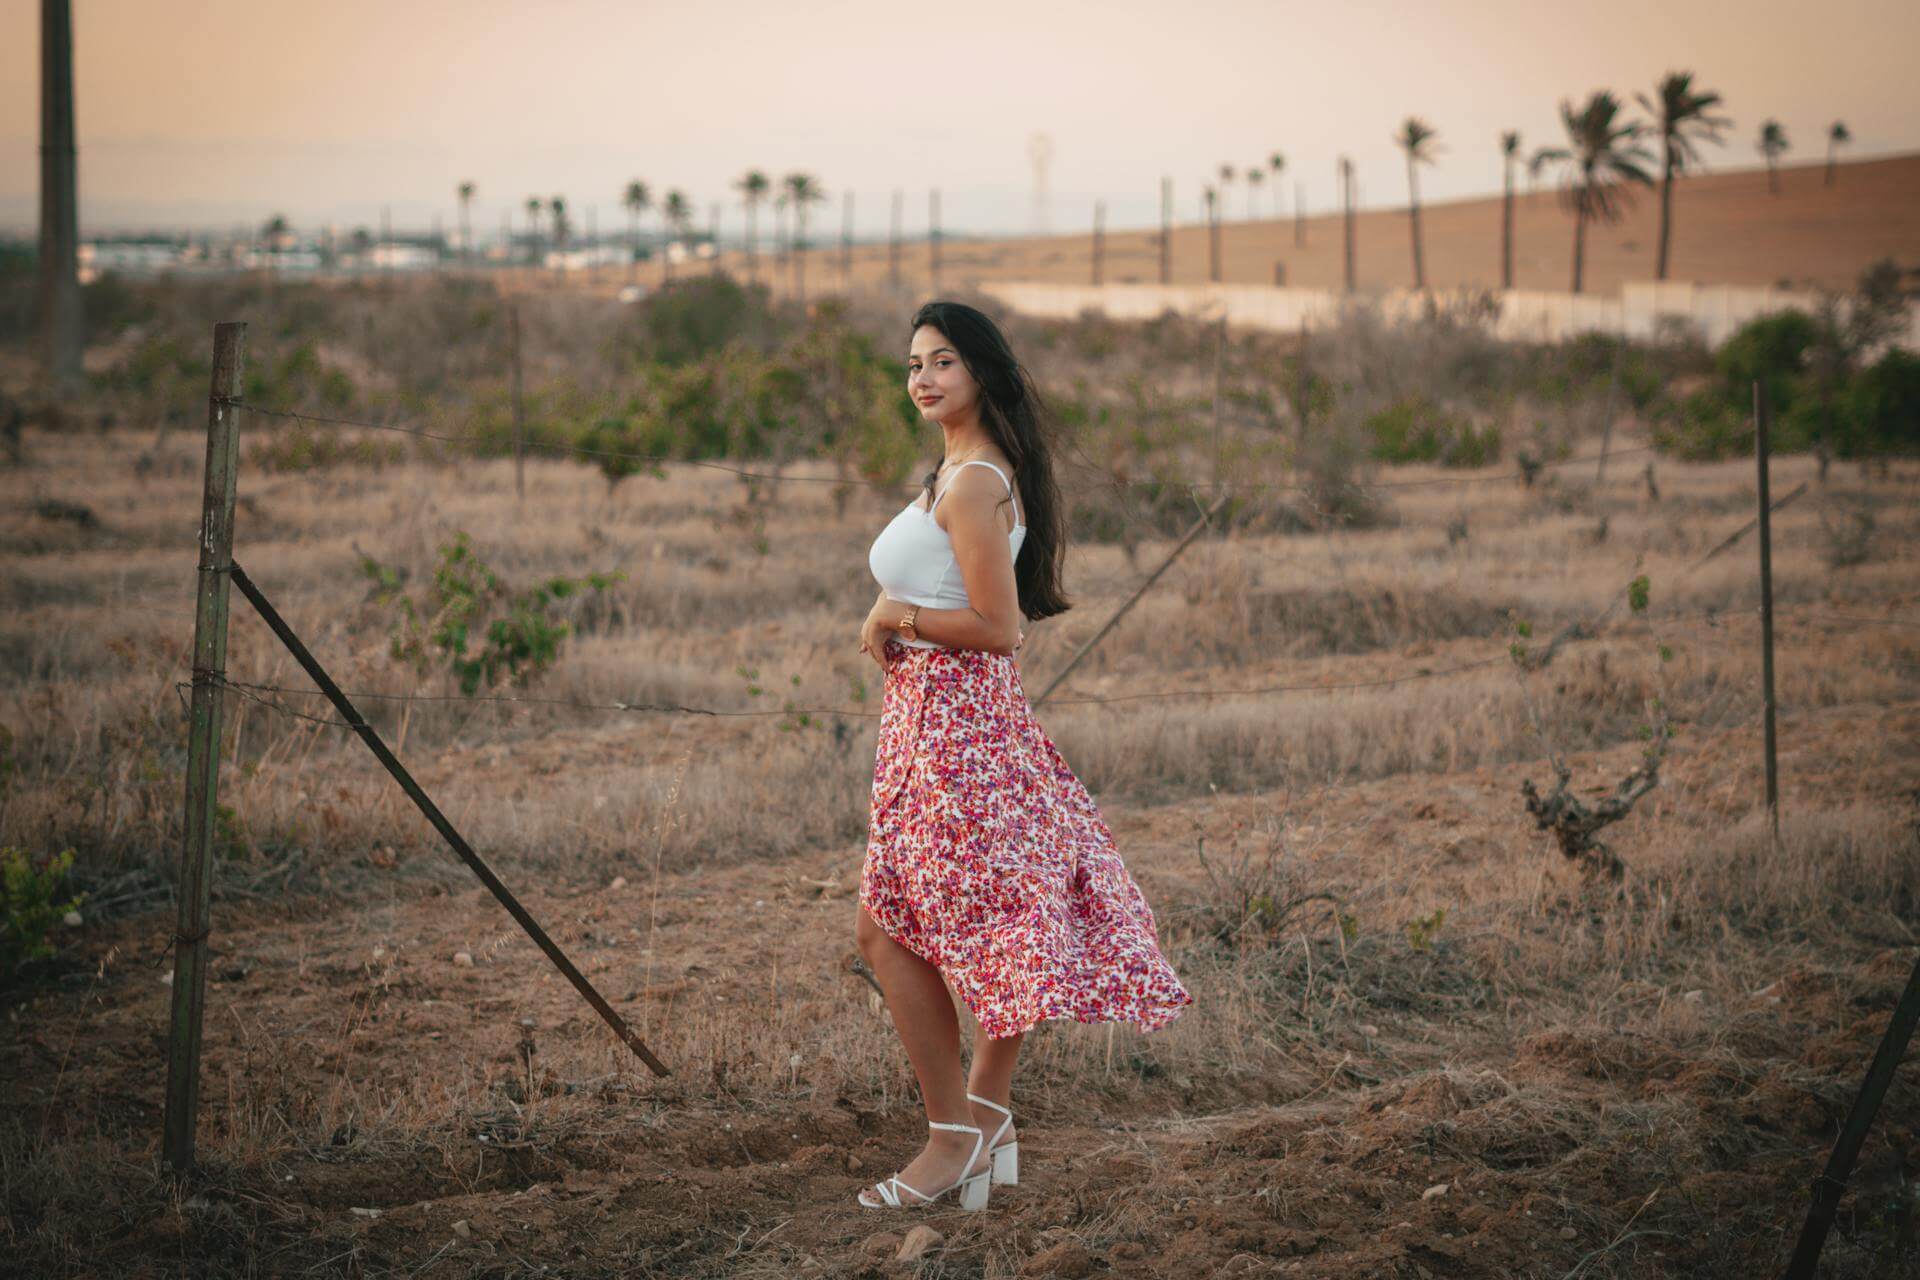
[(1766, 606), (203, 745)]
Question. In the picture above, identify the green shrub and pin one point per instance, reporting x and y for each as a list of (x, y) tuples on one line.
[(1880, 407), (1771, 350), (467, 621), (30, 889), (1414, 429)]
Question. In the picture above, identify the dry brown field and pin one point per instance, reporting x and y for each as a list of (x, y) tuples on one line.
[(1728, 228), (1423, 1045)]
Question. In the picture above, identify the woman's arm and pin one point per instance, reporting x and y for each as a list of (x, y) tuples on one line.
[(972, 522)]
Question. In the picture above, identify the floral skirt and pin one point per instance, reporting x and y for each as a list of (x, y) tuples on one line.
[(987, 858)]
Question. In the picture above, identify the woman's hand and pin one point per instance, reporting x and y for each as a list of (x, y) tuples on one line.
[(878, 627)]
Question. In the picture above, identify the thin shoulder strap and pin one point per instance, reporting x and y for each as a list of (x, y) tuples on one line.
[(982, 462)]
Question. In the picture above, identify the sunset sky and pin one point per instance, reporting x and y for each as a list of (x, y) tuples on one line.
[(218, 113)]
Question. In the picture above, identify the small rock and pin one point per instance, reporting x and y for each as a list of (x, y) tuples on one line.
[(920, 1241), (166, 979), (1568, 1233), (366, 1213), (463, 1229), (854, 1163), (378, 951), (1068, 1260), (619, 882), (463, 959), (876, 1246), (1434, 1192), (1695, 997), (1367, 1029), (72, 920)]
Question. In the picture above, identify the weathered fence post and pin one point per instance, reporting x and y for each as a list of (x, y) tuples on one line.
[(1766, 606), (203, 745), (519, 409)]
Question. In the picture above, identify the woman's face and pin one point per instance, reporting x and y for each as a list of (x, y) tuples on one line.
[(938, 381)]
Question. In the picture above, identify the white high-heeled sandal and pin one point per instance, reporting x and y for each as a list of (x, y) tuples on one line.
[(1006, 1156), (973, 1188)]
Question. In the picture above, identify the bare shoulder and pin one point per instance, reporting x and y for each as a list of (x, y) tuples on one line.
[(978, 492)]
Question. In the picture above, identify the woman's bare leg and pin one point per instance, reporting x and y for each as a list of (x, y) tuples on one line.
[(992, 1078), (923, 1013)]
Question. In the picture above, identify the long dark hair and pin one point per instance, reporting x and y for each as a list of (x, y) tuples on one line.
[(1019, 422)]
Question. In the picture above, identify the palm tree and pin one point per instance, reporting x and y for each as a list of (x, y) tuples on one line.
[(753, 187), (674, 213), (466, 191), (1773, 145), (637, 200), (1509, 152), (534, 205), (557, 205), (1837, 136), (1346, 219), (1226, 181), (779, 230), (1277, 163), (1212, 196), (1415, 138), (1606, 155), (1680, 114), (802, 190), (1254, 175)]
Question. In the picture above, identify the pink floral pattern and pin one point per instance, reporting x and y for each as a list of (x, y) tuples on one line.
[(987, 857)]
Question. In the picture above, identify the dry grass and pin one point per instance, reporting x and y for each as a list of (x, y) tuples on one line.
[(1576, 1067)]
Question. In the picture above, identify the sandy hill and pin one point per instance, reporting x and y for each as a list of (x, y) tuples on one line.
[(1728, 229)]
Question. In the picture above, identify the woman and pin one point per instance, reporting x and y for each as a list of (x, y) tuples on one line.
[(988, 865)]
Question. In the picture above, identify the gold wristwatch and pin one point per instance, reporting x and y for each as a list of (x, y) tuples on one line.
[(905, 625)]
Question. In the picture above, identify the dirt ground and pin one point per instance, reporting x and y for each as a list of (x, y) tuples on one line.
[(1423, 1044)]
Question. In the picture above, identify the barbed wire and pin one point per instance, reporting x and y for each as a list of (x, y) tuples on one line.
[(1578, 632), (550, 446)]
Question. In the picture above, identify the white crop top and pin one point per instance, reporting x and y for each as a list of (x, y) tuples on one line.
[(913, 559)]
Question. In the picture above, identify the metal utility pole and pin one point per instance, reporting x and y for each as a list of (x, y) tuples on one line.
[(1346, 215), (1166, 231), (846, 242), (62, 333), (933, 238), (1099, 236), (893, 244)]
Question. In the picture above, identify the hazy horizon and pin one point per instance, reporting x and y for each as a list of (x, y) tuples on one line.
[(222, 116)]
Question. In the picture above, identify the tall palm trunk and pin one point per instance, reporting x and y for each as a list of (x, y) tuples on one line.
[(753, 263), (1666, 213), (800, 254), (1506, 230), (1579, 241), (1413, 189)]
